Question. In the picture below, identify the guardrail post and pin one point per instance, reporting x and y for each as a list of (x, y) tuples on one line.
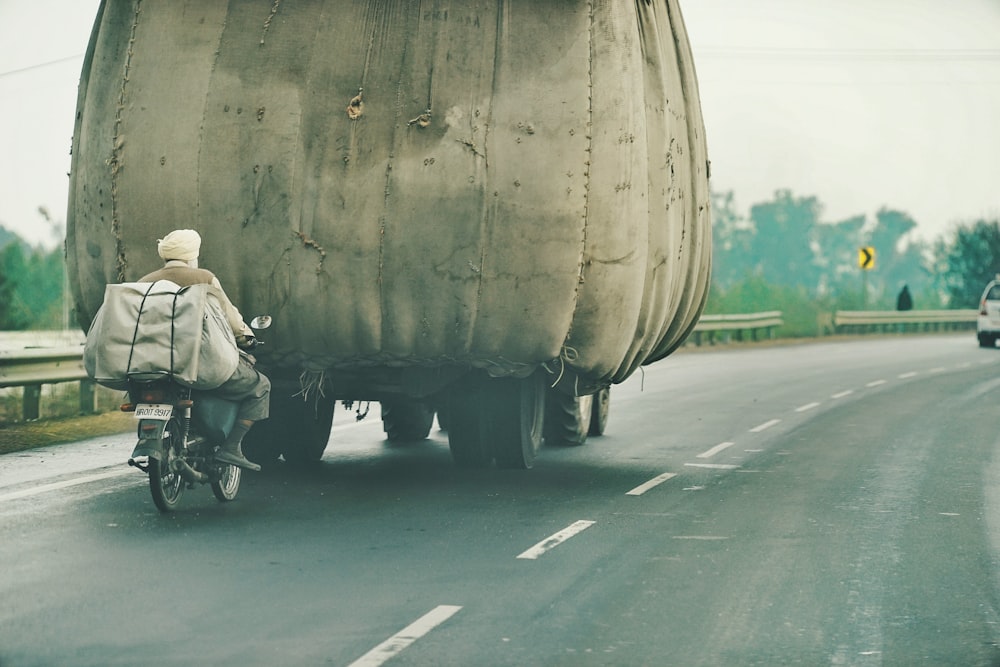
[(88, 397), (32, 399)]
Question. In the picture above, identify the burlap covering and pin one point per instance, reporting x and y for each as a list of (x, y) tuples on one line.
[(501, 183)]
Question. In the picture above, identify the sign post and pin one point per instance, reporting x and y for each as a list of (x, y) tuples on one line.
[(866, 262)]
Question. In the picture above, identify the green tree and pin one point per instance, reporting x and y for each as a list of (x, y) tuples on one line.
[(836, 255), (732, 241), (900, 259), (969, 260), (783, 245), (10, 318), (34, 278), (14, 268)]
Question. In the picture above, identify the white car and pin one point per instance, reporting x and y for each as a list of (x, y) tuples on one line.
[(988, 322)]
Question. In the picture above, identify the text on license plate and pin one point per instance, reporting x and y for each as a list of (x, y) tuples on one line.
[(154, 411)]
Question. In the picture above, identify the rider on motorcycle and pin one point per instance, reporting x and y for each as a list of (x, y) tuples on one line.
[(247, 386)]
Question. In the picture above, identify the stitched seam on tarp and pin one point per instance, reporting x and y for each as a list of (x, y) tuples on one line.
[(115, 161)]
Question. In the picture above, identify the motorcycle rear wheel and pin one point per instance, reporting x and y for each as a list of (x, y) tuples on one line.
[(228, 485), (165, 485)]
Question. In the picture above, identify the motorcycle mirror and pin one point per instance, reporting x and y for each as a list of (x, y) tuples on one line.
[(260, 322)]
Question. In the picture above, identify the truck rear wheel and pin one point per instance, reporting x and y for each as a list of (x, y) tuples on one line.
[(514, 420), (464, 406), (567, 418), (496, 419), (599, 411), (406, 419), (307, 430), (297, 429)]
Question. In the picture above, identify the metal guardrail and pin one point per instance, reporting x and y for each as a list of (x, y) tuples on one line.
[(734, 326), (19, 368), (31, 368), (866, 321)]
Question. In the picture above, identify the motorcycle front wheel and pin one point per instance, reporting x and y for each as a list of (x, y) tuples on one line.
[(227, 485), (165, 485)]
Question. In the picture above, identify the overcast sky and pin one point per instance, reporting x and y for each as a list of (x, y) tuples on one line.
[(860, 103)]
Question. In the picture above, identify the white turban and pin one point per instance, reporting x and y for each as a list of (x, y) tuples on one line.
[(182, 244)]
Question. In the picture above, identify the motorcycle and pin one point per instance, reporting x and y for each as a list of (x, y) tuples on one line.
[(179, 430)]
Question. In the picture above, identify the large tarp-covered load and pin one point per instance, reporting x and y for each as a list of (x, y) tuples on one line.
[(499, 183)]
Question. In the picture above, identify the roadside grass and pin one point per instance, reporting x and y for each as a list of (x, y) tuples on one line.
[(60, 419), (19, 436)]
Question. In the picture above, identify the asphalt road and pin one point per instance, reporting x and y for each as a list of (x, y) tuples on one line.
[(815, 504)]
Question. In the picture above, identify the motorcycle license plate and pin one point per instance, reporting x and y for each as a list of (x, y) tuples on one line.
[(161, 411)]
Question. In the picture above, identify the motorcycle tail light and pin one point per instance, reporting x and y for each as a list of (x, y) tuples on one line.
[(154, 396)]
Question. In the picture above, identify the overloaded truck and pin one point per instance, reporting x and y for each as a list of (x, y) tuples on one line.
[(491, 210)]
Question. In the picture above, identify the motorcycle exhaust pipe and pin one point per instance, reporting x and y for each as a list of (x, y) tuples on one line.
[(181, 467)]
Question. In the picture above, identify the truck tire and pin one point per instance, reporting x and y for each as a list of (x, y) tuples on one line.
[(441, 412), (307, 430), (406, 419), (567, 418), (515, 414), (599, 411), (464, 407), (297, 429)]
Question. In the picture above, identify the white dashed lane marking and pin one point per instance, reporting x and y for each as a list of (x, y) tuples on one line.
[(715, 450), (552, 542), (656, 481), (766, 425), (395, 645), (807, 406), (875, 383), (713, 466)]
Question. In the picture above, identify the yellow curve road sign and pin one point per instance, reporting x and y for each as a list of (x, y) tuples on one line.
[(866, 257)]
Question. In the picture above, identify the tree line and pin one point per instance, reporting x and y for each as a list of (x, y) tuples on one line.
[(781, 256), (32, 286), (785, 256)]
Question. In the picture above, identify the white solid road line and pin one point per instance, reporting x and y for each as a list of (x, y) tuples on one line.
[(656, 481), (557, 539), (394, 645), (715, 450), (54, 486), (765, 426)]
